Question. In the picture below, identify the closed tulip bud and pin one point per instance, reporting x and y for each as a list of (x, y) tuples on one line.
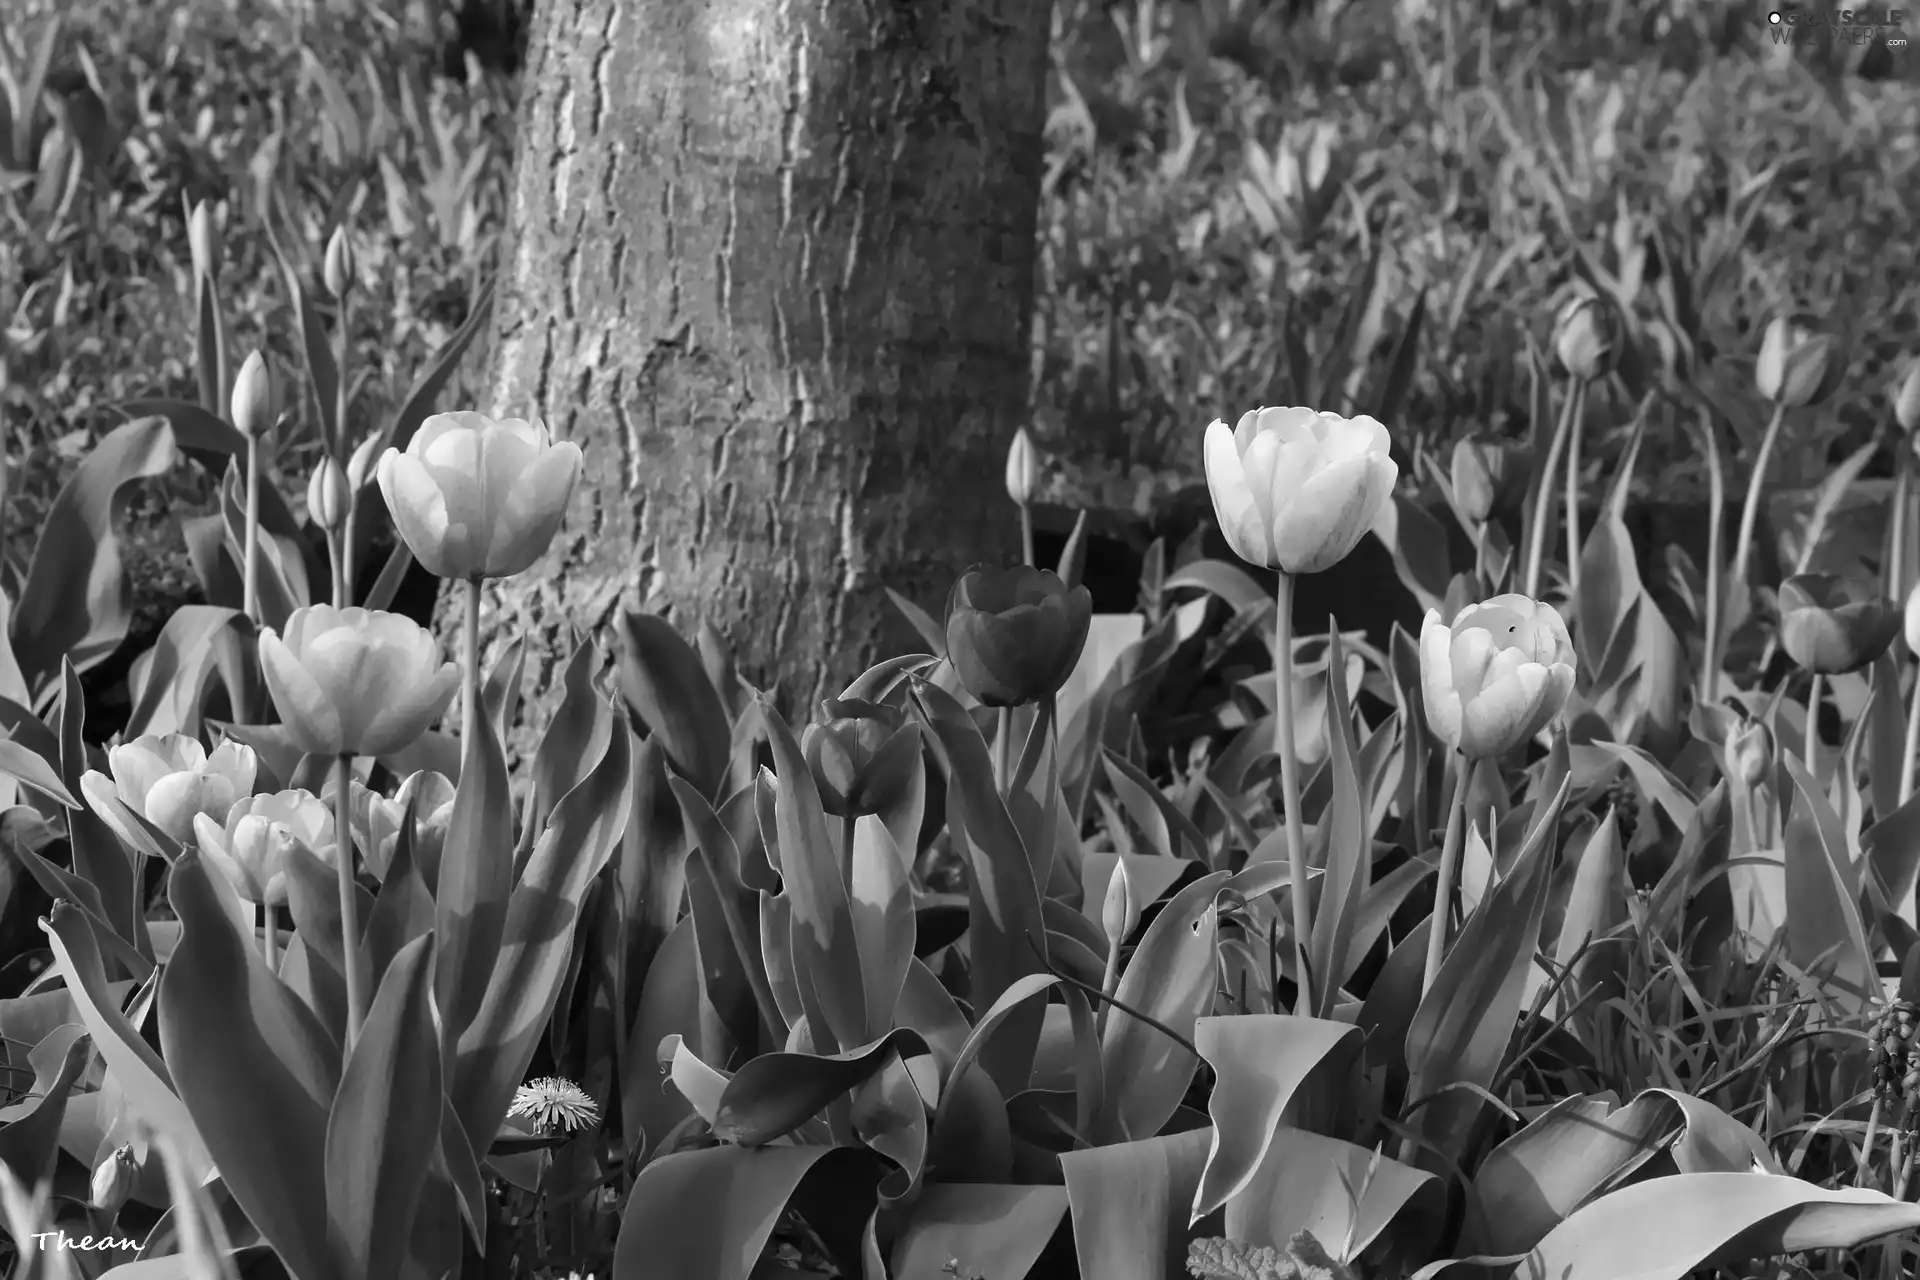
[(1120, 913), (1296, 490), (1748, 753), (355, 681), (113, 1180), (478, 498), (169, 779), (203, 241), (1831, 626), (1906, 401), (327, 496), (1912, 620), (862, 755), (1798, 364), (1586, 337), (361, 465), (336, 271), (1023, 469), (1497, 676), (1014, 635), (255, 845), (1489, 476), (376, 821), (252, 402)]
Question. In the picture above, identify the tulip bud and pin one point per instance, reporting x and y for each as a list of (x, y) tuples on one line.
[(327, 496), (862, 756), (1489, 476), (1585, 338), (360, 467), (1023, 469), (113, 1180), (1906, 403), (1120, 914), (1748, 753), (1497, 675), (203, 241), (252, 403), (1798, 365), (337, 269)]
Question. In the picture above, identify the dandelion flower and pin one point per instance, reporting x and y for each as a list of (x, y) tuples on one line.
[(554, 1103)]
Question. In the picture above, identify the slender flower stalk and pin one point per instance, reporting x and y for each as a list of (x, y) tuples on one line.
[(1449, 872), (356, 961), (1750, 512), (1576, 414), (1283, 745), (1912, 748), (470, 669), (270, 926), (250, 583), (1716, 586), (1898, 519), (1810, 750)]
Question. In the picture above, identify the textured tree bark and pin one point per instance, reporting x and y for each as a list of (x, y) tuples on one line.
[(772, 266)]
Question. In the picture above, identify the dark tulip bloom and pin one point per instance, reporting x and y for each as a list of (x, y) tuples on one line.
[(862, 756), (1831, 626), (1014, 635)]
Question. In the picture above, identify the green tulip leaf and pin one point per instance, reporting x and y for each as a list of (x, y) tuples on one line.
[(706, 1215), (74, 603), (988, 1230), (1825, 934), (775, 1093), (23, 833), (526, 970), (1344, 1194), (1667, 1228), (385, 1121), (881, 904), (30, 1143), (1170, 979), (575, 739), (1348, 873), (257, 1071), (668, 1009), (1259, 1061), (662, 679), (473, 887), (1130, 1203), (168, 698), (1005, 923)]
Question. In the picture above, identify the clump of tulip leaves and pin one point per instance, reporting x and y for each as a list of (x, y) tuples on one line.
[(1220, 1035)]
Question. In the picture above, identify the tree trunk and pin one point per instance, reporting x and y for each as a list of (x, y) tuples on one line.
[(772, 267)]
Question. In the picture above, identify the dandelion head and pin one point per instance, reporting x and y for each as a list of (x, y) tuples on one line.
[(553, 1103)]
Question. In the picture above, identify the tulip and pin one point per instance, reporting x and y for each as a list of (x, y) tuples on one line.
[(1586, 337), (376, 821), (362, 464), (355, 682), (203, 241), (1830, 627), (1798, 365), (478, 498), (1295, 490), (1906, 400), (1497, 675), (113, 1180), (1023, 482), (252, 402), (1748, 753), (1492, 680), (169, 779), (862, 756), (1489, 476), (337, 269), (1119, 917), (251, 407), (1014, 635), (327, 497), (252, 848)]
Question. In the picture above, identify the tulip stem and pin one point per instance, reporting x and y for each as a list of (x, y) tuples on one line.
[(270, 920), (1897, 527), (1750, 511), (346, 550), (470, 669), (1543, 501), (250, 586), (1907, 762), (1576, 404), (355, 962), (1809, 751), (334, 547), (1026, 533), (1449, 872), (1716, 588), (1003, 751), (847, 823), (1290, 788)]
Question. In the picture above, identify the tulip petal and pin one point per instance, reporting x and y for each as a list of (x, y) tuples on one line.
[(421, 703), (1436, 679), (1242, 521), (1496, 721), (419, 511), (310, 718), (535, 505), (1332, 511)]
